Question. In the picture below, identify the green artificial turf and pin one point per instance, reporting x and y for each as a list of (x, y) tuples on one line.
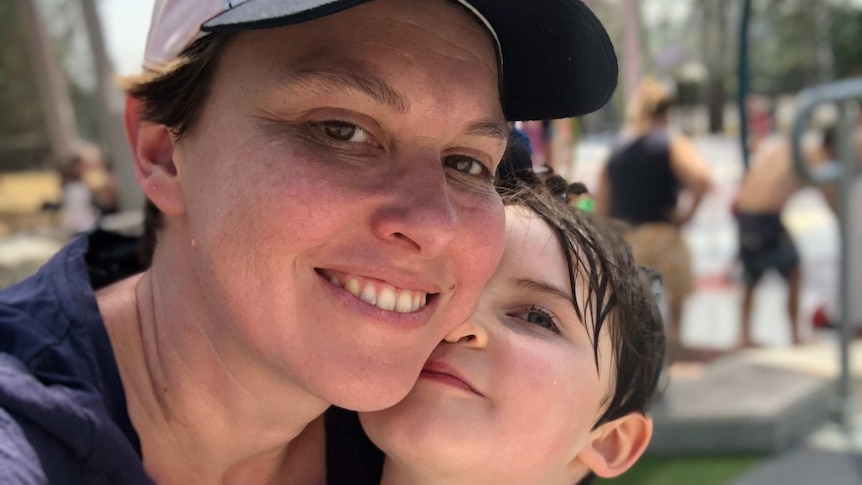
[(707, 470)]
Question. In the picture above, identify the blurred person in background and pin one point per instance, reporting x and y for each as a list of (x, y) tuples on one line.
[(648, 173), (516, 167), (79, 212), (579, 197), (106, 187), (540, 134), (99, 175), (764, 242)]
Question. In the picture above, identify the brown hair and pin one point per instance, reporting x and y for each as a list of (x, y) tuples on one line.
[(651, 102), (175, 98)]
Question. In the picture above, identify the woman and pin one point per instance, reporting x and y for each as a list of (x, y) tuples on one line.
[(649, 172)]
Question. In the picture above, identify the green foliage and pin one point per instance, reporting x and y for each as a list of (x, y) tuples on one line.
[(784, 41), (788, 40), (846, 38)]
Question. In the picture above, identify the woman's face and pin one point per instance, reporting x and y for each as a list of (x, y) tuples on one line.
[(512, 394), (338, 191)]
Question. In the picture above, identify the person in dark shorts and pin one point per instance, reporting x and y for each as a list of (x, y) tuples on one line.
[(765, 244)]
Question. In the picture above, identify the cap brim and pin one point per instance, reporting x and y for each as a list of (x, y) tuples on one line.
[(558, 61)]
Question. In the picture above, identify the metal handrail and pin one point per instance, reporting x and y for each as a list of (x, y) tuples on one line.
[(809, 100), (842, 173)]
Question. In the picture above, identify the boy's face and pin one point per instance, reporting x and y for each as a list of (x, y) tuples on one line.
[(338, 162), (512, 394)]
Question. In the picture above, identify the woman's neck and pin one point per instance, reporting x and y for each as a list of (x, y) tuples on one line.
[(202, 416)]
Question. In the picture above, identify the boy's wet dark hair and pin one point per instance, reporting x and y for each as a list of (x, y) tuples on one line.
[(619, 300)]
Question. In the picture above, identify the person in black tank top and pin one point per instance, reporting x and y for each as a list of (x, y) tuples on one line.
[(645, 188), (641, 186)]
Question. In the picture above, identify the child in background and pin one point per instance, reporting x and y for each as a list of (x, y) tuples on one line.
[(79, 213), (579, 197)]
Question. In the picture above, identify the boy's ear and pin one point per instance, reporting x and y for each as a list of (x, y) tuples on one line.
[(153, 151), (615, 446)]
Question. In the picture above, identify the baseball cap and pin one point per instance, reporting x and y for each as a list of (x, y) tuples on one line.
[(555, 57)]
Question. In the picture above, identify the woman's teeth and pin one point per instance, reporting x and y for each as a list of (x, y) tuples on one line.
[(384, 296)]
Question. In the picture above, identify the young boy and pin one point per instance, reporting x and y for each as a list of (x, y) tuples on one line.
[(548, 381)]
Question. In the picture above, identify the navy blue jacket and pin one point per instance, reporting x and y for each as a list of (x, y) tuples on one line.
[(63, 417)]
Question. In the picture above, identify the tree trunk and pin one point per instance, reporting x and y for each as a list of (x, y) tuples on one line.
[(110, 108), (714, 49), (57, 109)]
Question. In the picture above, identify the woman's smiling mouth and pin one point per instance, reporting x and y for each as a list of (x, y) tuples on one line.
[(378, 293)]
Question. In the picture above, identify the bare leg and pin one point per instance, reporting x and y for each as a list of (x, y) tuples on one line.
[(794, 282), (745, 317)]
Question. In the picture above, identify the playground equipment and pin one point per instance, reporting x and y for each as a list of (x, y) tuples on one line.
[(841, 172)]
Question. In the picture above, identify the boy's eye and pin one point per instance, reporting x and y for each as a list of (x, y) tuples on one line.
[(344, 131), (540, 317), (468, 165)]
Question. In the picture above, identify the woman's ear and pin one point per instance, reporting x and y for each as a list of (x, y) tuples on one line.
[(153, 151), (615, 446)]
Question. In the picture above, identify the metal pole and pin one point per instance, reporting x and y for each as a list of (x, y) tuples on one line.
[(847, 154), (825, 58), (110, 106), (742, 72)]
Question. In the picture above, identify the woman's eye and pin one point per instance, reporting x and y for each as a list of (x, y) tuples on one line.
[(538, 317), (469, 166), (346, 132)]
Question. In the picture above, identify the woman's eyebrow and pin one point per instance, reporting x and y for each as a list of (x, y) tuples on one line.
[(335, 79), (544, 287), (493, 128)]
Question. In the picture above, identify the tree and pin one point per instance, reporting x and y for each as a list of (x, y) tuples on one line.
[(845, 39), (23, 141)]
